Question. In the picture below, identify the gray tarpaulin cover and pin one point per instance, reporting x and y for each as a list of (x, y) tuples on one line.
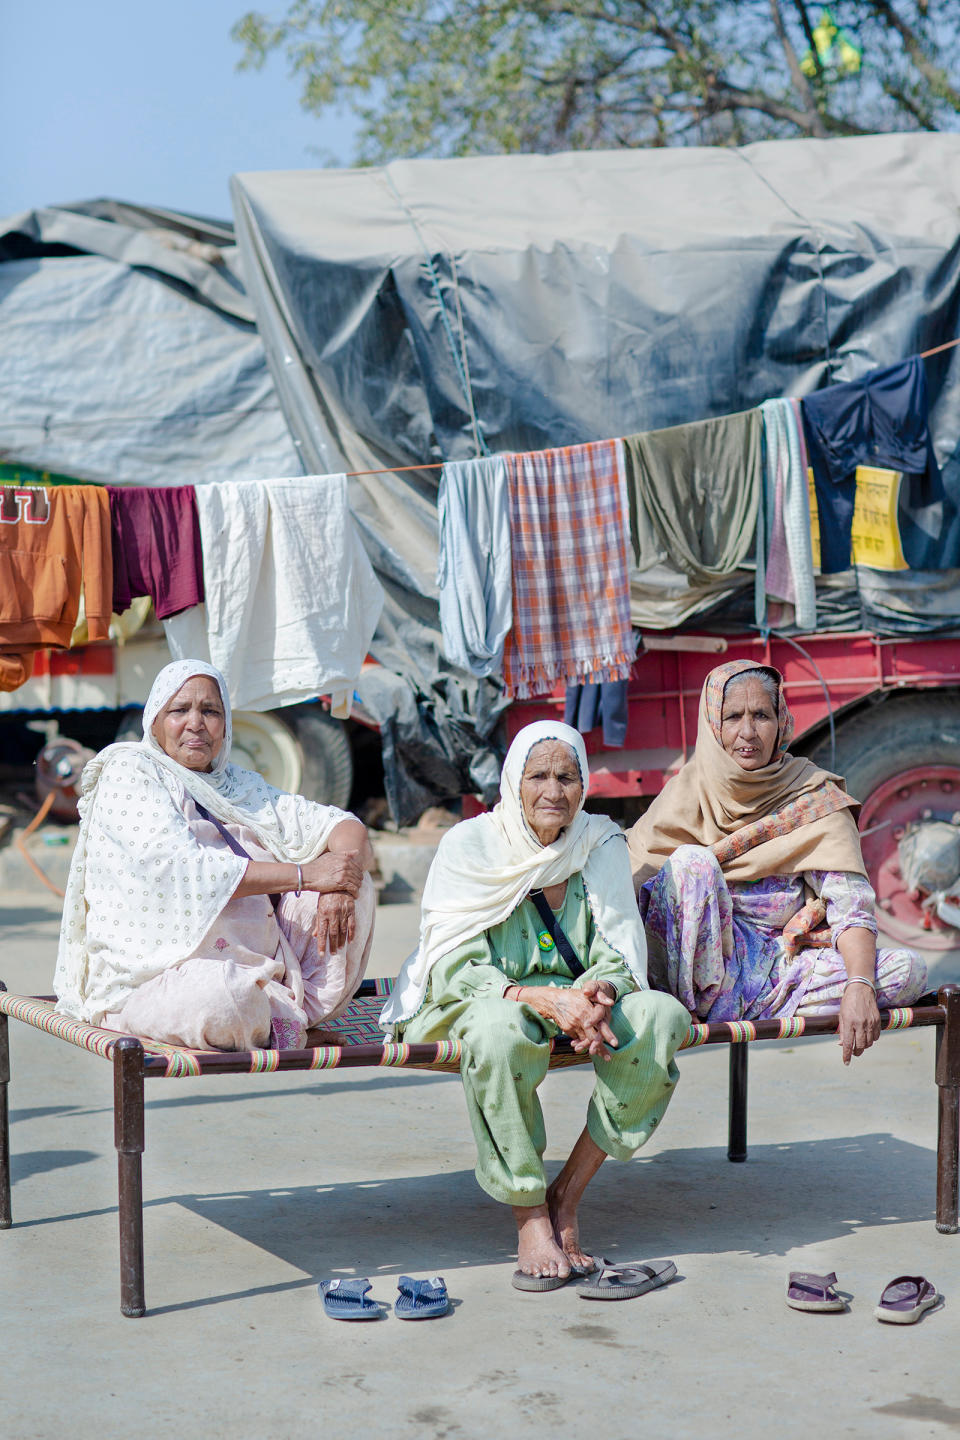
[(442, 309), (434, 310), (129, 353)]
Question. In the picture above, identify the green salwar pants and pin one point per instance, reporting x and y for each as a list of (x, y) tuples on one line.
[(506, 1052)]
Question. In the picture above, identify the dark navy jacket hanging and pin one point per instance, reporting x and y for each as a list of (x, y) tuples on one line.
[(881, 419)]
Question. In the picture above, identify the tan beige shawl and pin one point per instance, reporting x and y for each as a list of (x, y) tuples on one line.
[(783, 819)]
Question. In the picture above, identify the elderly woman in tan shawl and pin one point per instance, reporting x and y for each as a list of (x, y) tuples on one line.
[(750, 877)]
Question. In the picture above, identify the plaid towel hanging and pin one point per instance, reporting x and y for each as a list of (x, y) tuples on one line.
[(571, 596)]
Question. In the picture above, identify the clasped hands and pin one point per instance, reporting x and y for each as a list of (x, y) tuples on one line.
[(581, 1012), (336, 876)]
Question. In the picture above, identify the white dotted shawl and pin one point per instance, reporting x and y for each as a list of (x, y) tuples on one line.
[(143, 891), (485, 867)]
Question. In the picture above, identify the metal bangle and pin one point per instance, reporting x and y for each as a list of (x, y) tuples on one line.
[(299, 880), (860, 980)]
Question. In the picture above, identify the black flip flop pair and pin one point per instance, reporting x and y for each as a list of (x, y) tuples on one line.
[(416, 1299), (623, 1281)]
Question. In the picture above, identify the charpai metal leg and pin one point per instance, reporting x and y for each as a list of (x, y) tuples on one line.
[(948, 1117), (128, 1138), (737, 1140), (6, 1211)]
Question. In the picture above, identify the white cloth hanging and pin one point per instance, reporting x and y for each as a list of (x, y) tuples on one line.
[(783, 521), (291, 598)]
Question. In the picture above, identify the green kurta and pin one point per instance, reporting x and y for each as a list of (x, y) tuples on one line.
[(506, 1045)]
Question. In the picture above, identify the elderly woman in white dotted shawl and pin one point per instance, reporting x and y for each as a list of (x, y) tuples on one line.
[(204, 907)]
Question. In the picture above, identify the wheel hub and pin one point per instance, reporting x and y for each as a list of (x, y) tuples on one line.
[(901, 823)]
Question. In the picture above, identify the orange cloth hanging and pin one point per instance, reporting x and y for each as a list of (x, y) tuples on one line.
[(52, 541)]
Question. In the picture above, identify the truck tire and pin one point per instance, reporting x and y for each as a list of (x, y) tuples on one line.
[(901, 759), (327, 757), (300, 748)]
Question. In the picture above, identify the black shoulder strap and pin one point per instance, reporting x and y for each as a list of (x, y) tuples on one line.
[(577, 968), (234, 844)]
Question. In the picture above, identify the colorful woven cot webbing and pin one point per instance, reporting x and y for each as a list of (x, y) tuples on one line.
[(899, 1019), (696, 1035), (41, 1014), (741, 1031), (359, 1023), (262, 1061), (181, 1063), (358, 1027), (394, 1054), (326, 1057)]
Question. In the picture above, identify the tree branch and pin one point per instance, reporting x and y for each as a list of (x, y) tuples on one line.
[(801, 10), (933, 74), (800, 82), (906, 102), (731, 97)]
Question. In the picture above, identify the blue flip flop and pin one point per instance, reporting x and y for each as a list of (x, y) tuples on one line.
[(347, 1300), (421, 1299)]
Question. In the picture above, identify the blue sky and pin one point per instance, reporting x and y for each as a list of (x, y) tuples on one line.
[(143, 102)]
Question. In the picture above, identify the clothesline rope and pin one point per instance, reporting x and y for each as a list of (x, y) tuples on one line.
[(438, 465), (925, 354)]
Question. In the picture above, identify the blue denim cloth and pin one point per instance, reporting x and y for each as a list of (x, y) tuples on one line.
[(881, 419), (589, 705), (474, 567)]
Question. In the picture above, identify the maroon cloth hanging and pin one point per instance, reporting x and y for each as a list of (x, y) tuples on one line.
[(156, 547)]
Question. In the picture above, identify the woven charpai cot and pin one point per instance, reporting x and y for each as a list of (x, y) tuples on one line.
[(361, 1042)]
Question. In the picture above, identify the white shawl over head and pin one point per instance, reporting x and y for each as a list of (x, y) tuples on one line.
[(485, 867), (143, 890)]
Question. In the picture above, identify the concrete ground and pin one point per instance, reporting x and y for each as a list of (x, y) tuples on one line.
[(256, 1188)]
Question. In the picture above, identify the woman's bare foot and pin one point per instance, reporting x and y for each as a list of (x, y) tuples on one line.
[(537, 1250), (565, 1194), (566, 1228)]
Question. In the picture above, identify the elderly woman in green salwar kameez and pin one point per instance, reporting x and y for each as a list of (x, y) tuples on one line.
[(489, 973)]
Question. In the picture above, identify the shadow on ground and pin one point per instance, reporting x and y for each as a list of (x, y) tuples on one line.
[(41, 1162), (678, 1202)]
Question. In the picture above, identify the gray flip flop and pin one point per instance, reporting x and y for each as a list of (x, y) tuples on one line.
[(520, 1281), (624, 1281)]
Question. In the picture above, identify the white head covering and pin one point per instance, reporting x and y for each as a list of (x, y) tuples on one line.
[(143, 890), (485, 867), (168, 683)]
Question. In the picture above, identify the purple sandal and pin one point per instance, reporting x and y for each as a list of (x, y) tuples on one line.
[(905, 1299), (806, 1291)]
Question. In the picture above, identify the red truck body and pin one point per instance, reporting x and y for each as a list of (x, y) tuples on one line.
[(893, 703)]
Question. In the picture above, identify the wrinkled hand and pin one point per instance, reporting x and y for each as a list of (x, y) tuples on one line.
[(582, 1014), (859, 1021), (334, 872), (336, 921)]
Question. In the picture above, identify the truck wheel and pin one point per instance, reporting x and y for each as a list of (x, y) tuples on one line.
[(901, 759), (327, 759), (300, 748)]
